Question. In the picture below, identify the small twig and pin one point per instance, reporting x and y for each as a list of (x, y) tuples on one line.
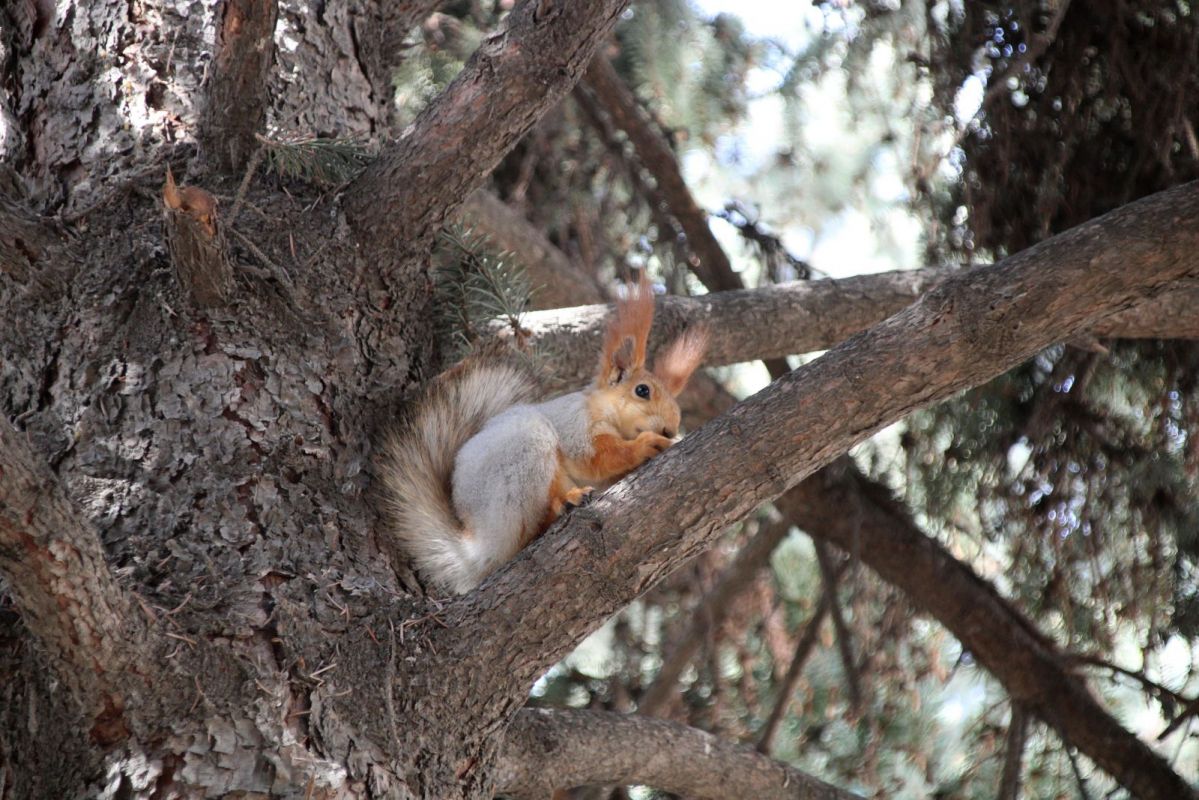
[(149, 612), (710, 611), (803, 649), (179, 607), (199, 695), (1017, 738), (251, 168), (1078, 776), (1146, 682), (844, 642), (276, 271)]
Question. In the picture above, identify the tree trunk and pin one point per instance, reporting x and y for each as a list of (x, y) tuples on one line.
[(214, 458)]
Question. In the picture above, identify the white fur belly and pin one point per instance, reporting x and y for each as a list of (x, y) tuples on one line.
[(501, 483)]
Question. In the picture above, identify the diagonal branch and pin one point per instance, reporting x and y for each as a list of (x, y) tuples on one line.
[(544, 749), (849, 666), (711, 263), (57, 575), (1013, 755), (846, 509), (237, 89), (860, 516), (514, 77), (972, 327), (786, 689)]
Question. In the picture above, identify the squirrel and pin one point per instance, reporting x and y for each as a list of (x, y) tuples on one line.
[(480, 469)]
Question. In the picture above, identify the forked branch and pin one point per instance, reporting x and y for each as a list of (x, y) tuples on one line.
[(514, 77)]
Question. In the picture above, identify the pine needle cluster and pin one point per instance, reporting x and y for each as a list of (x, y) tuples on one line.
[(473, 288), (327, 163)]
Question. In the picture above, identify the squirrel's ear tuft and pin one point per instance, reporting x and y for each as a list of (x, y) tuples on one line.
[(675, 365), (628, 332)]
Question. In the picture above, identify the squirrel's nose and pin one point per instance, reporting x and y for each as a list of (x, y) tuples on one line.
[(668, 433)]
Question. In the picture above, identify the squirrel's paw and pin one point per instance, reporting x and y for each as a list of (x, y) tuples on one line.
[(579, 496), (649, 444)]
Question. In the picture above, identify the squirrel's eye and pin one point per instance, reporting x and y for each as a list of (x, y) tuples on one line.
[(642, 391)]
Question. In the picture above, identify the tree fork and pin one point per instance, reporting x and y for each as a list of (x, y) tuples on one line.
[(514, 77)]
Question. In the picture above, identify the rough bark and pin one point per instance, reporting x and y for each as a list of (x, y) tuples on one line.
[(54, 568), (75, 130), (546, 749), (241, 68), (222, 455)]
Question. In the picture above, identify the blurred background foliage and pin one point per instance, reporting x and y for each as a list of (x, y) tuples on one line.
[(833, 138)]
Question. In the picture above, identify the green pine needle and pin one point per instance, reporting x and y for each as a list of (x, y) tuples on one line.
[(327, 163), (473, 288)]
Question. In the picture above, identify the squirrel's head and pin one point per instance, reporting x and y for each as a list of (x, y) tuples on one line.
[(630, 396)]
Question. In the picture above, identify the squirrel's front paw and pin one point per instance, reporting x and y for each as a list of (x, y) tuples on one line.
[(649, 444)]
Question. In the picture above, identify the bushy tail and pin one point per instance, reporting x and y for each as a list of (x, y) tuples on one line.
[(417, 461)]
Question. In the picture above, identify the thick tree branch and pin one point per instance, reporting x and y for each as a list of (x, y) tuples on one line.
[(804, 316), (861, 517), (236, 106), (973, 326), (844, 508), (511, 80), (556, 281), (68, 599), (545, 749)]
